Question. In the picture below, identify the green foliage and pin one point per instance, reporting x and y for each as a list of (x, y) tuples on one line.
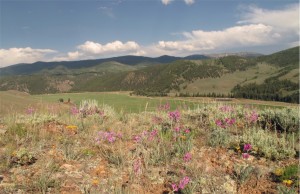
[(290, 172), (271, 89), (269, 144), (282, 58), (219, 137)]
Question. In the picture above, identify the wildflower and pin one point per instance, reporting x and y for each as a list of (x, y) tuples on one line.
[(137, 138), (164, 107), (177, 129), (74, 110), (278, 172), (187, 157), (245, 155), (30, 111), (137, 166), (247, 147), (288, 182), (219, 123), (95, 182), (183, 137), (153, 134), (187, 130), (184, 182), (174, 187), (175, 115), (253, 117), (71, 127), (226, 109), (230, 121)]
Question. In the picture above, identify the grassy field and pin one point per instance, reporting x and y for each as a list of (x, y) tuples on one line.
[(225, 83), (14, 102), (120, 101)]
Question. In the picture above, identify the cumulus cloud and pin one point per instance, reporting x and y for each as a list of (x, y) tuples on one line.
[(166, 2), (189, 2), (284, 20), (94, 48), (23, 55), (246, 35), (257, 27)]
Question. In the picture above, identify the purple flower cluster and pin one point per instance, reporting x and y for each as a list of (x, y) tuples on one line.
[(108, 136), (175, 115), (164, 107), (187, 157), (247, 148), (252, 117), (227, 122), (74, 110), (146, 135), (137, 166), (226, 109), (182, 184)]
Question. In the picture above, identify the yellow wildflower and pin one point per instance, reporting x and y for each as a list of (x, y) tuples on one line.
[(72, 127), (183, 137), (95, 182), (288, 182), (278, 172)]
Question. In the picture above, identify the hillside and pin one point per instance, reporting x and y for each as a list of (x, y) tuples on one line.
[(229, 75)]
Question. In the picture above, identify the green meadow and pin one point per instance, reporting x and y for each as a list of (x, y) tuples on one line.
[(119, 101)]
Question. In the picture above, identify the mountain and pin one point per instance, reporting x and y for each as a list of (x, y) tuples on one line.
[(270, 77), (27, 69)]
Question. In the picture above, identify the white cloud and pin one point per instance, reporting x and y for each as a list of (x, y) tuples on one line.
[(245, 35), (284, 20), (116, 47), (258, 27), (189, 2), (22, 55), (166, 2)]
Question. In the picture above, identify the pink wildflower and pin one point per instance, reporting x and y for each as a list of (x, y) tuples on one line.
[(175, 115), (247, 147), (245, 155), (187, 157), (177, 129), (174, 187), (184, 182), (137, 166)]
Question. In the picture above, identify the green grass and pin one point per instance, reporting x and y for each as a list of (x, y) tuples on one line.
[(119, 101), (226, 82)]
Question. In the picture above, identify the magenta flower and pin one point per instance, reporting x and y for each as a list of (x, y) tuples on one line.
[(153, 134), (175, 115), (137, 138), (137, 166), (245, 155), (164, 107), (187, 130), (177, 129), (74, 110), (226, 109), (187, 157), (184, 182), (174, 187), (247, 147), (219, 123)]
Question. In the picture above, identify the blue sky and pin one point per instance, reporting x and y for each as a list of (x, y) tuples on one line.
[(53, 30)]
